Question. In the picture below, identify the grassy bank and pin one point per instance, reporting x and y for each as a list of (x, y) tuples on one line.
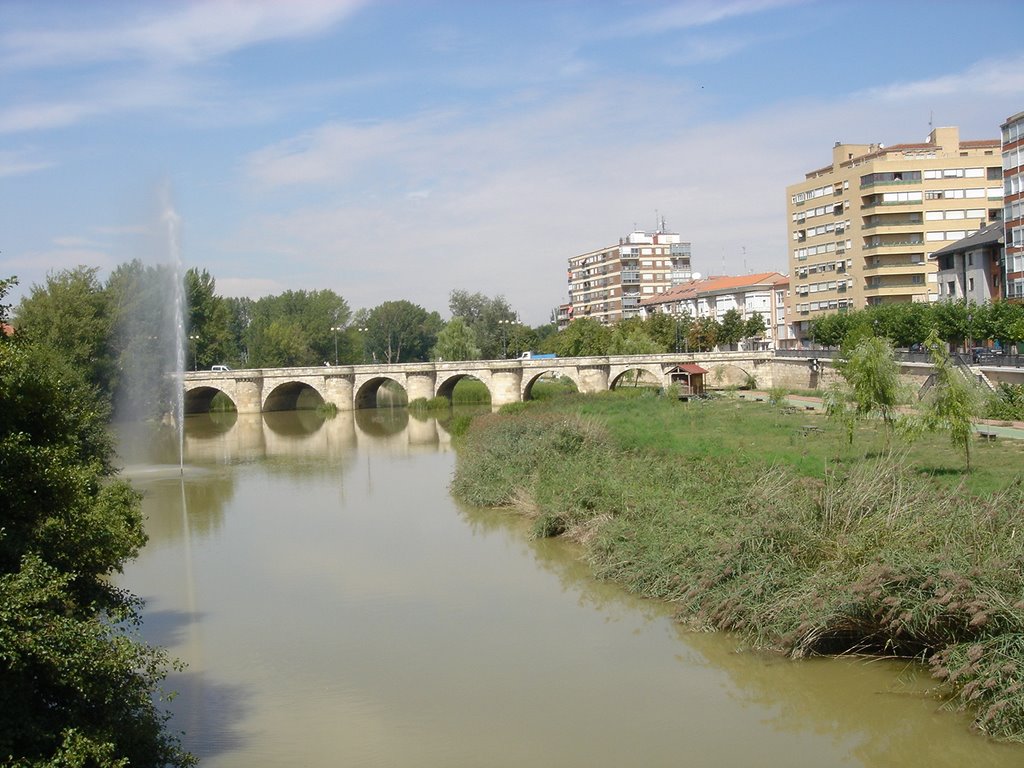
[(747, 521)]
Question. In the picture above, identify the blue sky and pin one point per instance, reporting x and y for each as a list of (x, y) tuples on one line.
[(399, 150)]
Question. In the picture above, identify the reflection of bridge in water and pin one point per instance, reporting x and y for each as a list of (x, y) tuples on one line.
[(350, 387), (354, 387), (227, 437)]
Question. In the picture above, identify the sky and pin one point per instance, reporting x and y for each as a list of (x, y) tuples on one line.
[(400, 150)]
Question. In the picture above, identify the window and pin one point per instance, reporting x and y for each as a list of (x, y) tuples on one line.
[(970, 283)]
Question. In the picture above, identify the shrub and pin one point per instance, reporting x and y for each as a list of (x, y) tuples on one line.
[(1007, 404)]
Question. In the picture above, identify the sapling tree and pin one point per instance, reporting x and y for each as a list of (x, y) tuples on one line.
[(873, 375), (953, 402)]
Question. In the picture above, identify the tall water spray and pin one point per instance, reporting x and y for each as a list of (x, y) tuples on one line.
[(173, 223)]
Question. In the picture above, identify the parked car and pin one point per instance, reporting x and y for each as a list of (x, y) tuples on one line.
[(979, 354), (220, 368)]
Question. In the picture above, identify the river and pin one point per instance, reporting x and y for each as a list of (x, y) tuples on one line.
[(336, 607)]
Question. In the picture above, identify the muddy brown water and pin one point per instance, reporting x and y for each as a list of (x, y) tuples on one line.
[(336, 607)]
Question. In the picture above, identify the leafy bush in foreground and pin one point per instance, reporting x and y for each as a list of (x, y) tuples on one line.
[(76, 686)]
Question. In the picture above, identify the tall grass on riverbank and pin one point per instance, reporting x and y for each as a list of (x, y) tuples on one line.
[(868, 555)]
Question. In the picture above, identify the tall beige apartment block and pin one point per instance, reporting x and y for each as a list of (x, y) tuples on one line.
[(862, 229), (608, 284)]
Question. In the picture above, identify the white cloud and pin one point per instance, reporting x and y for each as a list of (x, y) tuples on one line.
[(697, 13), (181, 33), (21, 163), (29, 117), (995, 77), (30, 263), (253, 287), (513, 194)]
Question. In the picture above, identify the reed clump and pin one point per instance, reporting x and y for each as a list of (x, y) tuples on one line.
[(869, 557)]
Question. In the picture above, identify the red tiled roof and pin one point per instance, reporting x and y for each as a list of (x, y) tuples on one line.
[(7, 330), (690, 368), (716, 285)]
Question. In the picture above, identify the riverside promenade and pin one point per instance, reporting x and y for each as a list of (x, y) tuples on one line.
[(988, 428)]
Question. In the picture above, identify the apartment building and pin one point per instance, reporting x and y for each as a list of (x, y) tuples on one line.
[(608, 284), (763, 293), (863, 228), (1013, 205)]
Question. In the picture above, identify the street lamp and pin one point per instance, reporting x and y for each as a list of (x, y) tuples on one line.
[(336, 328), (363, 329), (195, 351), (504, 340)]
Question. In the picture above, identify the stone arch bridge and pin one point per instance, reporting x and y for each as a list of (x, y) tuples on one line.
[(350, 387)]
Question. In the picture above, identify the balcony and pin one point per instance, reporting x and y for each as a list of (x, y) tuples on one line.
[(896, 288), (889, 183), (894, 244), (882, 222), (894, 266), (630, 278), (878, 201)]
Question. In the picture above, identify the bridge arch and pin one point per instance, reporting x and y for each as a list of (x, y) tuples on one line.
[(366, 394), (198, 399), (617, 372), (293, 396), (570, 373), (447, 386)]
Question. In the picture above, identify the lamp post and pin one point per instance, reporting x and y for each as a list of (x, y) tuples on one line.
[(504, 340), (970, 334), (363, 330), (194, 340), (336, 328)]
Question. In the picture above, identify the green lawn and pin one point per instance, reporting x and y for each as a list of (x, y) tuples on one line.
[(757, 432)]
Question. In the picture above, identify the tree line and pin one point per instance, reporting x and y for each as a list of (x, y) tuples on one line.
[(957, 323), (121, 333)]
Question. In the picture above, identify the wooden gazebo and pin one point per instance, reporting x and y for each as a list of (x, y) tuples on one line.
[(688, 379)]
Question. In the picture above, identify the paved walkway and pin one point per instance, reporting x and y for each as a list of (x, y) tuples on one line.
[(1013, 430)]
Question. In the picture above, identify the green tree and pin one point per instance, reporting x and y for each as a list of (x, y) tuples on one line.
[(490, 319), (950, 321), (294, 328), (400, 331), (76, 688), (704, 334), (70, 313), (952, 403), (873, 375), (732, 328), (583, 337), (456, 342), (755, 327), (240, 314), (631, 339), (209, 320), (665, 330)]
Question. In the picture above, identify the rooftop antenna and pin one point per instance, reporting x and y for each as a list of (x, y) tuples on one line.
[(744, 249)]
